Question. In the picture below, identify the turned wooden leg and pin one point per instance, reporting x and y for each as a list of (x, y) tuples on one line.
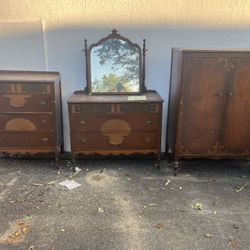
[(176, 167), (56, 157), (73, 158)]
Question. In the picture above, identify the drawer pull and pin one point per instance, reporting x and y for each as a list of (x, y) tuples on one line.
[(108, 109), (82, 122), (148, 122), (148, 140), (42, 102), (45, 139), (230, 94), (152, 108), (83, 140), (44, 122)]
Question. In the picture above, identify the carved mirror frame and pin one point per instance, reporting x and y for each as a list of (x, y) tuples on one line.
[(115, 35)]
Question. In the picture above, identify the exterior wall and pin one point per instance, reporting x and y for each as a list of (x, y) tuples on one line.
[(58, 43)]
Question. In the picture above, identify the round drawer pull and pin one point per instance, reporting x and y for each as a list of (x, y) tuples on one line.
[(83, 140), (44, 122), (42, 102), (148, 122), (82, 122), (45, 139), (148, 140)]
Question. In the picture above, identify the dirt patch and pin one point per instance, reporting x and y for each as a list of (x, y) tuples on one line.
[(105, 179), (16, 232), (98, 177)]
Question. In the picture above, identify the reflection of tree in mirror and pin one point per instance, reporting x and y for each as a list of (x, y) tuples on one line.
[(112, 83), (122, 57)]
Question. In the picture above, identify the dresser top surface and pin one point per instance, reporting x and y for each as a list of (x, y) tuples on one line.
[(85, 98), (34, 76)]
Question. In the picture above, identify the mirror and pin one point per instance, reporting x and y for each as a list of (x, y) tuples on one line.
[(115, 66)]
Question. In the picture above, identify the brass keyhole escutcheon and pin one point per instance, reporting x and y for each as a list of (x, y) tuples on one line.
[(116, 130)]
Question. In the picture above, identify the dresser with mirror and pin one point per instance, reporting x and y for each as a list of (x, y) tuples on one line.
[(115, 114)]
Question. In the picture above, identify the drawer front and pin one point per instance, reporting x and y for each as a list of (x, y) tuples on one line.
[(26, 139), (7, 88), (26, 88), (138, 108), (25, 103), (95, 141), (144, 122), (92, 108), (26, 122)]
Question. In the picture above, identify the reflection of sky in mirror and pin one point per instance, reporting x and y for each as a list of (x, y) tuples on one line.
[(99, 70)]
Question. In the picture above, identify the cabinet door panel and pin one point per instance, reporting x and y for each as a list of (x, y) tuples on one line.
[(237, 122), (202, 104)]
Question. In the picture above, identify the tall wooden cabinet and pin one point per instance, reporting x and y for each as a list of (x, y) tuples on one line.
[(30, 112), (209, 111)]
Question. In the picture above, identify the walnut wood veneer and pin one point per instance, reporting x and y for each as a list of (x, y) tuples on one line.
[(30, 112)]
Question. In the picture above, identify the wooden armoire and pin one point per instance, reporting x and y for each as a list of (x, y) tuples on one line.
[(209, 107)]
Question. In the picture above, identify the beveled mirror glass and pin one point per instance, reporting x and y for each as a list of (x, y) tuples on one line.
[(115, 66)]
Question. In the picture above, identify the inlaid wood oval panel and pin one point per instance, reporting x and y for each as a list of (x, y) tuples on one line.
[(116, 130), (20, 124), (16, 100)]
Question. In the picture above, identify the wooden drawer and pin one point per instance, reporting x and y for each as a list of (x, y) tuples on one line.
[(27, 139), (104, 108), (26, 88), (138, 108), (25, 103), (94, 141), (92, 108), (144, 122), (26, 122)]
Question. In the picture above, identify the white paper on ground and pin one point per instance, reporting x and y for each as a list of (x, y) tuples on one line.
[(70, 184)]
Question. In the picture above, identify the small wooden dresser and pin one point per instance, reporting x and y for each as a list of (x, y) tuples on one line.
[(30, 112), (115, 124)]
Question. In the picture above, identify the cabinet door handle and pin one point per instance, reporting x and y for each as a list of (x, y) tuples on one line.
[(149, 122), (45, 139), (83, 140)]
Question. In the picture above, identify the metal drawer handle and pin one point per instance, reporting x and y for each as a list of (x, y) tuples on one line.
[(148, 140), (82, 122), (108, 108), (45, 139), (42, 102), (83, 140), (148, 122)]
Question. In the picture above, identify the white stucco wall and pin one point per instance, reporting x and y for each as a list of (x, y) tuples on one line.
[(164, 24)]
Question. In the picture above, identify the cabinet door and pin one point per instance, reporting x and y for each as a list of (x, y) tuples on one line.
[(237, 122), (201, 104)]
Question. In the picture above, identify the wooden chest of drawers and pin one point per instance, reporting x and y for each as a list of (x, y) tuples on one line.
[(115, 125), (30, 112)]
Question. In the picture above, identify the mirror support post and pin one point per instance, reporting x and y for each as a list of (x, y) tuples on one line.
[(143, 65), (87, 66)]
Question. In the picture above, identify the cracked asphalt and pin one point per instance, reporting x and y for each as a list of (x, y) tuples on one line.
[(124, 204)]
